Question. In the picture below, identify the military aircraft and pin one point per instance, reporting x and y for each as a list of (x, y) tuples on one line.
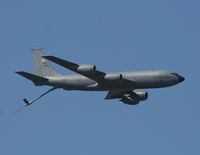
[(120, 86)]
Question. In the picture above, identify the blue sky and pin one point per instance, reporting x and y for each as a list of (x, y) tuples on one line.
[(115, 35)]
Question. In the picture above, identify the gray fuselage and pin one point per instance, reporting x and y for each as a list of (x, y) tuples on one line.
[(142, 79)]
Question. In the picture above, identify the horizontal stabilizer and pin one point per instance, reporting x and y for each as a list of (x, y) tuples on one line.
[(37, 80)]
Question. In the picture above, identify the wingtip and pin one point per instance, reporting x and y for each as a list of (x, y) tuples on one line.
[(18, 72)]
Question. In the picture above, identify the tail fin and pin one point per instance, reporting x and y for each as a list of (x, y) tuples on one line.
[(42, 66), (37, 80)]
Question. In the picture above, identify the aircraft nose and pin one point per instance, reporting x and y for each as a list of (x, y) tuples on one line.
[(181, 79)]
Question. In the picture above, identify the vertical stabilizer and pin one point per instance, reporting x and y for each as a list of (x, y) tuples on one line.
[(42, 66)]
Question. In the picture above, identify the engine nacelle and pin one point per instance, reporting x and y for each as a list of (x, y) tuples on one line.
[(142, 95), (87, 69), (129, 100), (114, 77), (135, 98)]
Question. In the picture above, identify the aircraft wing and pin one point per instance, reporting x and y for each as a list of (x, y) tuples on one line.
[(37, 80), (127, 97), (120, 94), (96, 76), (90, 72), (114, 95)]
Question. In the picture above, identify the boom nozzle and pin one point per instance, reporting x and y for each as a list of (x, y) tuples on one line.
[(26, 101)]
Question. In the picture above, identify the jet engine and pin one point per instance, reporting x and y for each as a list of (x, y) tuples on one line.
[(135, 98), (87, 69), (129, 100), (114, 77), (142, 95)]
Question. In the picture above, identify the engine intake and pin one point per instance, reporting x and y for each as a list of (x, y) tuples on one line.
[(87, 69), (142, 95)]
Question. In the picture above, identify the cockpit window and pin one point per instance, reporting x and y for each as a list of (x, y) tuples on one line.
[(176, 75)]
